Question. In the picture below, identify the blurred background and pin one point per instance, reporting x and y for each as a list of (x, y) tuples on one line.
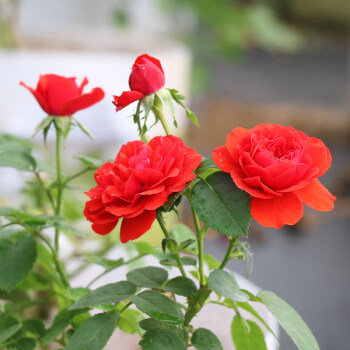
[(240, 63)]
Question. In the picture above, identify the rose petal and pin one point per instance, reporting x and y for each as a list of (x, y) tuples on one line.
[(40, 98), (143, 58), (316, 196), (81, 102), (233, 139), (277, 211), (136, 227), (103, 229), (321, 157), (222, 158), (126, 98)]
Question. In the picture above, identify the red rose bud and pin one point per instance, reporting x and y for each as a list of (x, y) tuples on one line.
[(279, 167), (147, 77), (61, 96), (137, 183)]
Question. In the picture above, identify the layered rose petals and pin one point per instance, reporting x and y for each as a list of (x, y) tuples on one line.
[(61, 96), (147, 76), (278, 166), (137, 183)]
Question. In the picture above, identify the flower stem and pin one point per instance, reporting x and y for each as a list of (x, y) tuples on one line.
[(159, 114), (167, 235), (232, 243), (200, 239), (58, 183)]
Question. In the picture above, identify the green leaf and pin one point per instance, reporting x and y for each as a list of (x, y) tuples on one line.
[(149, 277), (108, 294), (158, 306), (8, 327), (60, 323), (171, 244), (182, 233), (247, 338), (206, 168), (143, 248), (44, 124), (178, 99), (290, 320), (204, 339), (212, 262), (147, 103), (181, 286), (247, 307), (64, 124), (150, 323), (34, 326), (71, 229), (95, 259), (16, 261), (226, 285), (221, 205), (248, 257), (189, 243), (188, 261), (128, 321), (94, 333), (84, 129), (24, 344), (16, 153), (165, 97), (161, 339), (90, 162)]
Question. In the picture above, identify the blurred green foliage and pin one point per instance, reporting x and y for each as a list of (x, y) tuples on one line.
[(229, 27)]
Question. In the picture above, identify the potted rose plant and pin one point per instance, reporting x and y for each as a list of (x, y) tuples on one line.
[(266, 173)]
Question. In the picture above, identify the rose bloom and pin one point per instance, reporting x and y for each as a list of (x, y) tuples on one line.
[(279, 167), (137, 183), (147, 77), (61, 96)]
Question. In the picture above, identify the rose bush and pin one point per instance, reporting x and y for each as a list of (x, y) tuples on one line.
[(147, 76), (61, 96), (279, 167), (137, 183)]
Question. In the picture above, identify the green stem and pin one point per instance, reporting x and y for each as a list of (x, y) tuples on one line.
[(232, 243), (58, 184), (70, 178), (200, 238), (159, 113), (48, 192), (167, 235), (57, 263)]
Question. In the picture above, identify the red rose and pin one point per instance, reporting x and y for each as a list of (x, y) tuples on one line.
[(278, 166), (147, 77), (137, 183), (61, 96)]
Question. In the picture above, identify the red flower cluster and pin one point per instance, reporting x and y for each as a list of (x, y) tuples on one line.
[(137, 183), (278, 166), (61, 96), (147, 77)]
